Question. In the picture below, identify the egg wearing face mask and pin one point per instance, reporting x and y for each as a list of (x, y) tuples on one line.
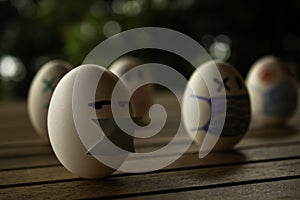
[(273, 92)]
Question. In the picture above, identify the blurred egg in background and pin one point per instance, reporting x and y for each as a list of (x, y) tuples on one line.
[(142, 97), (273, 89), (40, 93)]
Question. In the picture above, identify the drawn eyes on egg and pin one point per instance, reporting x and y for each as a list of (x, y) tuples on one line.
[(99, 104), (225, 83)]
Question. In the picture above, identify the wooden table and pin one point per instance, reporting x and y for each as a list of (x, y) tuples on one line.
[(264, 165)]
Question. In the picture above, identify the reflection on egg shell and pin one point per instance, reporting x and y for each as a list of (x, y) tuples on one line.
[(40, 93), (236, 99), (142, 98), (82, 130), (273, 90)]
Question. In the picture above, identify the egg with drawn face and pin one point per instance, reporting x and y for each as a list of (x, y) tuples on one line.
[(221, 100), (82, 128), (142, 97), (40, 93), (273, 91)]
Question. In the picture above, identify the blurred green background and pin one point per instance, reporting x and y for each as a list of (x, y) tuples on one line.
[(33, 32)]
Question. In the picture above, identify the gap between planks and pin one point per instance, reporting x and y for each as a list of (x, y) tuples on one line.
[(287, 188), (160, 182), (187, 161)]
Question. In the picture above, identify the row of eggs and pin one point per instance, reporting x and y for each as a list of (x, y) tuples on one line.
[(272, 87)]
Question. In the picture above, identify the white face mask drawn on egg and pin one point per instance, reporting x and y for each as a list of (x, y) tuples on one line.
[(235, 109), (210, 77), (221, 99)]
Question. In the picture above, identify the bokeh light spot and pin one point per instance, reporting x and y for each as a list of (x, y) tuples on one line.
[(11, 68), (111, 28), (220, 50)]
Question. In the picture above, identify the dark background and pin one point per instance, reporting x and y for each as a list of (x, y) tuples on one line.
[(33, 32)]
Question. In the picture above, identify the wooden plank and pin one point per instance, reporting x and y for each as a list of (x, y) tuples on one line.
[(261, 157), (22, 131), (157, 182), (36, 175), (26, 143), (269, 136), (28, 162), (39, 147), (13, 114), (238, 157), (14, 121), (252, 139), (25, 151), (13, 105), (18, 135), (263, 152), (41, 174), (283, 189)]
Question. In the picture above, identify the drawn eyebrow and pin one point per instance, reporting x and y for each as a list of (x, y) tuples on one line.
[(99, 104)]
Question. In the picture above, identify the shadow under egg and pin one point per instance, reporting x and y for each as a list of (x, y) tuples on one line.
[(277, 132), (230, 159)]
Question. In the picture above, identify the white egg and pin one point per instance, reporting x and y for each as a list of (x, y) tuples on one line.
[(80, 115), (142, 98), (225, 86), (40, 93), (273, 90)]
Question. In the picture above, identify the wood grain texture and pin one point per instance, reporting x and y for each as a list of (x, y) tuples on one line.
[(28, 162), (264, 165), (284, 189), (159, 182), (190, 157), (49, 172)]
